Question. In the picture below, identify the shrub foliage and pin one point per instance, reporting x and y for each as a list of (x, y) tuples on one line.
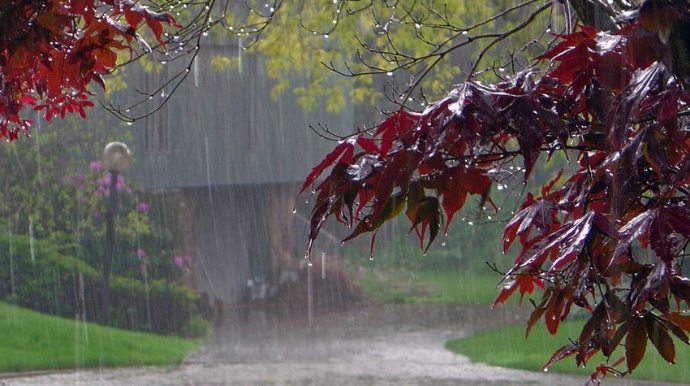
[(38, 276)]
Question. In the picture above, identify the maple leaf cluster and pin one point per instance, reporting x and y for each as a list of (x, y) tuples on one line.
[(52, 50), (619, 113)]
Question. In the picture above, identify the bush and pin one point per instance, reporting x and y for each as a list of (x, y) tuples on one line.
[(198, 327), (166, 306), (42, 278)]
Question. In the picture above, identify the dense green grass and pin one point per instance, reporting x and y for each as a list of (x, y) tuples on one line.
[(396, 286), (34, 341), (459, 287), (509, 348)]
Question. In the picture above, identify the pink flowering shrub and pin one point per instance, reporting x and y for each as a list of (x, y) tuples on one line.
[(144, 249)]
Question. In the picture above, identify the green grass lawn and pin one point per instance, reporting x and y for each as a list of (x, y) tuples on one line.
[(451, 286), (35, 341), (458, 287), (509, 348)]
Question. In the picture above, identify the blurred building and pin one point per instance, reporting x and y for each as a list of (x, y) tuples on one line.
[(238, 157)]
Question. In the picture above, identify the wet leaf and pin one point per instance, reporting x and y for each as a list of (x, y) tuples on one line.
[(342, 152), (425, 214), (679, 319), (562, 353), (643, 83), (399, 123), (657, 227), (635, 343), (363, 167), (660, 338)]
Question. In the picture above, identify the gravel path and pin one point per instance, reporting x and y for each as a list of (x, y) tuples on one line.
[(402, 346)]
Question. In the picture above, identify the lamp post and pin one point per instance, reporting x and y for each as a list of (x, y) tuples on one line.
[(115, 159)]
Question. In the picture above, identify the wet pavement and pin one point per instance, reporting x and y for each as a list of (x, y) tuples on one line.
[(375, 346)]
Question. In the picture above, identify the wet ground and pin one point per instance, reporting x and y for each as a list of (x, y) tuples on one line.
[(375, 346)]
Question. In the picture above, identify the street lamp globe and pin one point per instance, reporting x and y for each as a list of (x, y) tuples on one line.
[(115, 156)]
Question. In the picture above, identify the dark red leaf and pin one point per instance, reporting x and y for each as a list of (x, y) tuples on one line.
[(540, 214), (562, 353), (368, 145), (611, 70), (425, 213), (635, 343), (675, 330), (679, 319), (534, 318), (456, 183), (554, 307), (530, 140), (624, 108), (399, 123), (570, 68), (367, 224), (342, 152), (657, 227), (660, 338), (565, 243), (505, 292)]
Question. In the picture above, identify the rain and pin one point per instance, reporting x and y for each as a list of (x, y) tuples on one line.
[(196, 238)]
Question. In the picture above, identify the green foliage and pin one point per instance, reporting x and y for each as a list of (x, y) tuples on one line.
[(60, 201), (35, 171), (220, 62), (307, 37), (34, 341), (37, 275), (198, 327), (63, 200), (163, 307)]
